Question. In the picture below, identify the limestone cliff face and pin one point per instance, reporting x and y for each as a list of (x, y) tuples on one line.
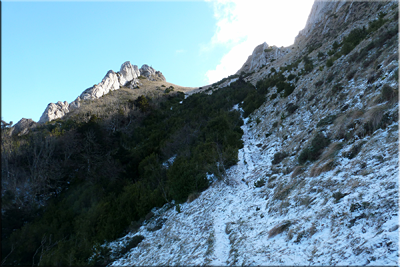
[(151, 73), (320, 12), (23, 126), (262, 56), (54, 111), (128, 76)]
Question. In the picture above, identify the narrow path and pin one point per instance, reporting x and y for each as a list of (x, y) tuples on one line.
[(230, 198), (221, 240)]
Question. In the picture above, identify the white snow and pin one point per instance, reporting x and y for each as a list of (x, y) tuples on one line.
[(229, 224)]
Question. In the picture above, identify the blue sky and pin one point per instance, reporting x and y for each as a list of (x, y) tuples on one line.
[(52, 51)]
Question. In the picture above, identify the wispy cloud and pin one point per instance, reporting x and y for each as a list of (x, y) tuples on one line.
[(180, 51), (243, 24)]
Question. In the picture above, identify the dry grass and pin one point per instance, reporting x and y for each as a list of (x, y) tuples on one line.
[(283, 190), (297, 171), (121, 101), (321, 167), (332, 150), (374, 116), (344, 122), (278, 229), (327, 160)]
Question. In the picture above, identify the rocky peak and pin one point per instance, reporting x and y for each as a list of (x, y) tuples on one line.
[(262, 56), (151, 73), (320, 11), (128, 73), (127, 76), (54, 111)]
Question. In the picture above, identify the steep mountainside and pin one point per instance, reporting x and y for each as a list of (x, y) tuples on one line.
[(317, 179), (293, 160)]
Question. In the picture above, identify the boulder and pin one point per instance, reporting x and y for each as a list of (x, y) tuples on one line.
[(54, 111)]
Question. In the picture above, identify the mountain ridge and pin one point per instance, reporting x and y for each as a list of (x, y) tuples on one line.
[(293, 160)]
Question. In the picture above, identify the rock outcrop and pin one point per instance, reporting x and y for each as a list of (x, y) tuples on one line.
[(54, 111), (261, 56), (128, 76), (23, 126), (151, 73), (75, 104), (320, 12), (109, 83)]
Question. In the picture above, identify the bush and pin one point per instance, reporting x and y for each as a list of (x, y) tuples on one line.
[(336, 88), (329, 62), (278, 157), (319, 83), (291, 77), (312, 152), (291, 108), (326, 121), (288, 89), (376, 24), (169, 89), (388, 93), (354, 150), (338, 196), (259, 183), (350, 74), (132, 243)]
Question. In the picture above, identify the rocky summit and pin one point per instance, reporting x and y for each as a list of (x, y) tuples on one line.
[(128, 76)]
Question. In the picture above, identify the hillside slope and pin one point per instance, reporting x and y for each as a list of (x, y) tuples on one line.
[(317, 179)]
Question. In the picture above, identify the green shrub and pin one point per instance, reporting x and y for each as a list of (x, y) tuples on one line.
[(291, 108), (291, 77), (259, 183), (376, 24), (169, 89), (388, 93), (329, 62), (312, 152), (288, 89), (354, 150), (336, 88), (278, 157)]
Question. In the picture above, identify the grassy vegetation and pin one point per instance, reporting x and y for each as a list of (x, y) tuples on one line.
[(356, 36)]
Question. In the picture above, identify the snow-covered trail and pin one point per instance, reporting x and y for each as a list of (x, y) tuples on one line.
[(232, 196), (230, 223)]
